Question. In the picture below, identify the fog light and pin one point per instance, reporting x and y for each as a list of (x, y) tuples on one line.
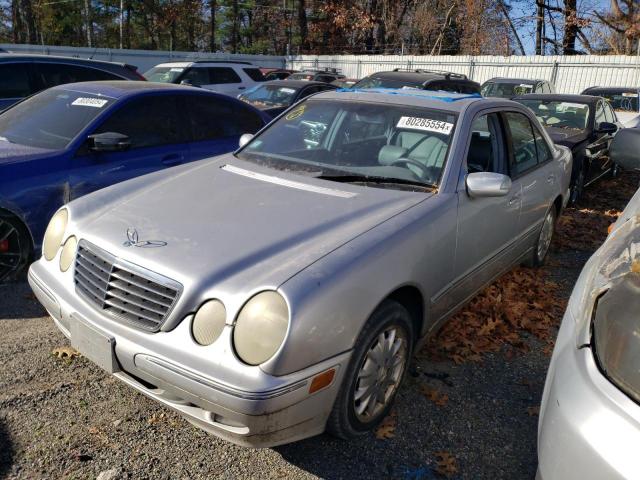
[(322, 380)]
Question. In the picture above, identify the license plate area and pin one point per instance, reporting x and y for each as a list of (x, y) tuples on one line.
[(94, 345)]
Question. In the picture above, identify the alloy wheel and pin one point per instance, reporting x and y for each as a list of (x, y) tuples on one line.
[(380, 373), (545, 236), (11, 249)]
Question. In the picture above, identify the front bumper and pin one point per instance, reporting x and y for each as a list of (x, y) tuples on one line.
[(588, 428), (278, 410)]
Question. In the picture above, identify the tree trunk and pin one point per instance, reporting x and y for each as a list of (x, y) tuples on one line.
[(234, 28), (570, 28), (539, 28), (302, 24), (212, 25), (87, 12)]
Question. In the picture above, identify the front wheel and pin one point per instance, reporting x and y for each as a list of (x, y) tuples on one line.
[(544, 239), (376, 370), (15, 246)]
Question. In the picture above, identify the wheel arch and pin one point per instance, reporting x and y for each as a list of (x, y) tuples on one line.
[(410, 297), (6, 212)]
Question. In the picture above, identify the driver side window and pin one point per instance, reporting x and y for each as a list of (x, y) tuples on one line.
[(523, 145), (486, 152)]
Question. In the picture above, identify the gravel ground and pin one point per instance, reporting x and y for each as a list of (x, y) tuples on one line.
[(68, 419)]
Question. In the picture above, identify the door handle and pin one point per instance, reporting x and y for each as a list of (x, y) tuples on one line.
[(551, 178), (241, 88), (172, 159), (514, 199)]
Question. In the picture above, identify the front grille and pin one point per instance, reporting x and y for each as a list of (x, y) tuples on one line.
[(127, 292)]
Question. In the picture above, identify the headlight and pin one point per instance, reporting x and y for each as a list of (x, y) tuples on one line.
[(208, 322), (68, 253), (55, 233), (261, 327), (616, 329)]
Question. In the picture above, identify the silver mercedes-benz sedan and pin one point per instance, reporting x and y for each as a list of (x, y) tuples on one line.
[(273, 293), (589, 426)]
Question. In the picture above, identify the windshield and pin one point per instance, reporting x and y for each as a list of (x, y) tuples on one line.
[(301, 76), (335, 138), (570, 115), (164, 74), (505, 90), (376, 82), (269, 96), (50, 119), (620, 101)]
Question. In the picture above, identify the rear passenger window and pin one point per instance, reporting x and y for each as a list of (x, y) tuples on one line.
[(248, 120), (523, 143), (542, 148), (254, 74), (148, 122), (52, 74), (223, 75), (213, 118), (14, 80)]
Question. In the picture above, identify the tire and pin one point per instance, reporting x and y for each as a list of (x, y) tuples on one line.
[(354, 412), (543, 242), (577, 188), (15, 246)]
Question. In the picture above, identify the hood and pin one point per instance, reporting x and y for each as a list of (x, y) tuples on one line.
[(14, 152), (238, 226), (568, 138)]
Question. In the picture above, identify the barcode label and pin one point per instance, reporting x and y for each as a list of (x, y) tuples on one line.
[(90, 102), (426, 124)]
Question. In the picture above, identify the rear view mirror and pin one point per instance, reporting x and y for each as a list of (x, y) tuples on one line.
[(488, 184), (109, 142), (607, 127), (625, 148), (244, 139)]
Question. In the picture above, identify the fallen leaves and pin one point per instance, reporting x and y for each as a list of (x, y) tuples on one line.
[(522, 300), (387, 429), (434, 395), (446, 464), (533, 411), (66, 353)]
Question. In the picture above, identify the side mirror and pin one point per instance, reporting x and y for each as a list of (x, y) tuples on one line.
[(109, 142), (488, 184), (188, 83), (607, 128), (625, 148), (244, 139)]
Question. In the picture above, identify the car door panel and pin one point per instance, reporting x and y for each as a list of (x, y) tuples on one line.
[(486, 227), (158, 140)]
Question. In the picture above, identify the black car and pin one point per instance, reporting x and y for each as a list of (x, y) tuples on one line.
[(422, 79), (511, 87), (326, 75), (624, 100), (24, 75), (276, 96), (585, 124)]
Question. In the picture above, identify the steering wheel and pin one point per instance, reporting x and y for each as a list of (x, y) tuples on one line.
[(410, 161)]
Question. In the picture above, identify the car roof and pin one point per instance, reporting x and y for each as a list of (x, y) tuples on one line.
[(612, 89), (420, 77), (515, 80), (122, 88), (559, 97), (204, 63), (13, 57), (295, 83), (454, 102)]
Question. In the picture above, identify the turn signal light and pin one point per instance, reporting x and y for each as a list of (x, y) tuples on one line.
[(610, 229), (322, 380)]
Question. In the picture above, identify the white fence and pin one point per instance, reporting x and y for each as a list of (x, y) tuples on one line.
[(143, 59), (570, 74)]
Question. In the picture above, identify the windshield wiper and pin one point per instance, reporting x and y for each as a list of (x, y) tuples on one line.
[(354, 178)]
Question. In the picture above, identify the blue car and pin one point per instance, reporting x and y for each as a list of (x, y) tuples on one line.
[(73, 139)]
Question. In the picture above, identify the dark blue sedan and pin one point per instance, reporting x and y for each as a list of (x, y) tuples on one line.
[(73, 139)]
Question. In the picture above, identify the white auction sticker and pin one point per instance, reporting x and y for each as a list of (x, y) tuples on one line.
[(90, 102), (524, 85), (287, 90), (426, 124), (629, 94)]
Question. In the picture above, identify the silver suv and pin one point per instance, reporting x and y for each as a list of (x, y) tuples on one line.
[(228, 77)]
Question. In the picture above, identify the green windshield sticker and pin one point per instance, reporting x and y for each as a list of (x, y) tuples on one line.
[(296, 112)]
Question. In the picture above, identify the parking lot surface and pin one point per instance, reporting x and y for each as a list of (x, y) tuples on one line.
[(468, 409)]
